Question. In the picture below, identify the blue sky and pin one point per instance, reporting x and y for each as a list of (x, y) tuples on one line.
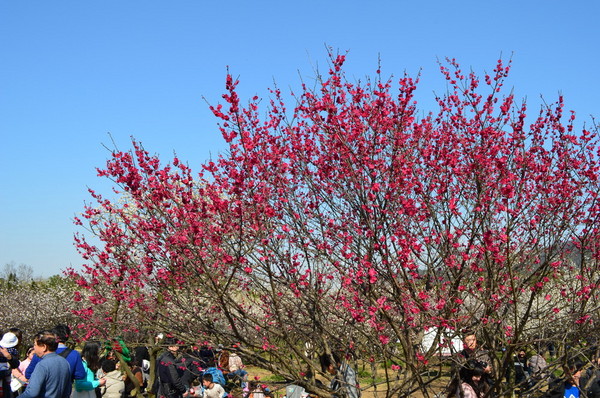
[(73, 71)]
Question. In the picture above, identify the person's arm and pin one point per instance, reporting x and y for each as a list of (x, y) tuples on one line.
[(36, 381), (139, 375), (12, 360), (31, 367), (79, 370), (88, 383), (175, 379), (17, 374)]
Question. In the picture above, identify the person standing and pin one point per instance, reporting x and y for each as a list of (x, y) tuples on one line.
[(472, 351), (51, 377), (19, 373), (344, 382), (8, 361), (171, 371), (86, 387), (62, 333), (568, 386)]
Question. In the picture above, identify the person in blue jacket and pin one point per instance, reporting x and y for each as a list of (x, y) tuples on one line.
[(52, 375), (62, 333)]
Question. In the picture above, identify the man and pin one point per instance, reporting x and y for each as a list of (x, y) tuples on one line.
[(171, 372), (344, 382), (73, 357), (590, 380), (568, 386), (472, 351), (52, 375)]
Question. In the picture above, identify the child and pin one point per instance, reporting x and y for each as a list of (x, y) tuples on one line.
[(115, 385), (211, 389)]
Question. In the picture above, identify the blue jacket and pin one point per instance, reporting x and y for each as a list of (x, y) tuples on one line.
[(74, 359), (51, 378)]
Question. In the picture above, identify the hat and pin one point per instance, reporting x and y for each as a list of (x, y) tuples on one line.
[(9, 340)]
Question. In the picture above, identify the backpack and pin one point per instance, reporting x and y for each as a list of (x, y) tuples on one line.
[(217, 376)]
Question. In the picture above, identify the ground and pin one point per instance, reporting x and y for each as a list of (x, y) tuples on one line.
[(279, 388)]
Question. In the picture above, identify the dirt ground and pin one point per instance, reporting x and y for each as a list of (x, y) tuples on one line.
[(279, 388)]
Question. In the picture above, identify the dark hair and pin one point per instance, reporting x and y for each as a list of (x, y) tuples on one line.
[(326, 360), (576, 365), (62, 332), (207, 377), (91, 354), (470, 369), (47, 338), (474, 368), (108, 365)]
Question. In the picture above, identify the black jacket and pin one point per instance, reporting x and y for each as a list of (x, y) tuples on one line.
[(171, 373)]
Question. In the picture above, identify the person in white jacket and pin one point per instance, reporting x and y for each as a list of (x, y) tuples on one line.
[(115, 385)]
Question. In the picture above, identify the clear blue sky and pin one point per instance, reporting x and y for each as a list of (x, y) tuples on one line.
[(72, 71)]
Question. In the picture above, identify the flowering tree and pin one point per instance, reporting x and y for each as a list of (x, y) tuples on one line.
[(350, 223), (32, 304)]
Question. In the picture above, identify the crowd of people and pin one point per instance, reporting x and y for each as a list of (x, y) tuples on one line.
[(49, 368), (530, 374)]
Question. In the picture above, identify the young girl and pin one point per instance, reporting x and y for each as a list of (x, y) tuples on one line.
[(469, 384)]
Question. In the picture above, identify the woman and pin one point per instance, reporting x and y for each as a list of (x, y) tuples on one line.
[(470, 383), (136, 370), (9, 360), (86, 388)]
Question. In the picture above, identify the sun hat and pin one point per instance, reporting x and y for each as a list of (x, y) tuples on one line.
[(9, 340)]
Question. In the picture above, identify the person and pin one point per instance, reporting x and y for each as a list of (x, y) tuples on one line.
[(51, 377), (9, 360), (19, 373), (522, 371), (136, 369), (291, 391), (211, 389), (207, 356), (170, 374), (114, 386), (470, 382), (568, 386), (590, 380), (538, 367), (472, 351), (72, 356), (236, 369), (86, 387), (344, 379), (223, 360)]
